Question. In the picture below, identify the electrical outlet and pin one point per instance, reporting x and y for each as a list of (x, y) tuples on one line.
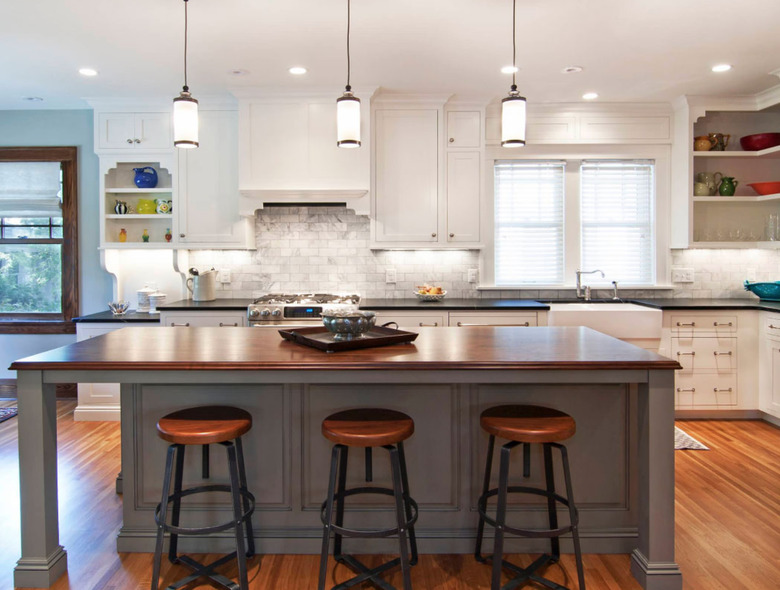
[(473, 275), (223, 276), (390, 275), (682, 275)]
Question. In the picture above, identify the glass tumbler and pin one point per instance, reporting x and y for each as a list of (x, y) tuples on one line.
[(771, 228)]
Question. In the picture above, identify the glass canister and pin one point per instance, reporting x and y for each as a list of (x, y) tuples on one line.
[(143, 298)]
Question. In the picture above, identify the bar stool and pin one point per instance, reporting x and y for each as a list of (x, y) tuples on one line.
[(527, 425), (203, 426), (368, 428)]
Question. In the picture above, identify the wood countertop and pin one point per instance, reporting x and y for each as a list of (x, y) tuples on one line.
[(253, 349)]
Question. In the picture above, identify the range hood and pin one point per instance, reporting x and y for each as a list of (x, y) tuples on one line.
[(253, 199)]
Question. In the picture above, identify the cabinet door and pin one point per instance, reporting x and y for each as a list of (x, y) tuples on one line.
[(208, 185), (115, 131), (407, 175), (463, 129), (204, 319), (463, 186), (153, 131)]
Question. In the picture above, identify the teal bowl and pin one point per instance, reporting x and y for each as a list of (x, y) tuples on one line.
[(765, 291)]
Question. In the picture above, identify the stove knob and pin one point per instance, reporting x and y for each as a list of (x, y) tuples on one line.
[(277, 313), (253, 313), (265, 313)]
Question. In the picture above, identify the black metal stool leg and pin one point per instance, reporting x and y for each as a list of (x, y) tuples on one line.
[(485, 488), (342, 486), (575, 535), (552, 512), (407, 494), (498, 543), (250, 534), (163, 515), (328, 516), (400, 515), (178, 475), (235, 491)]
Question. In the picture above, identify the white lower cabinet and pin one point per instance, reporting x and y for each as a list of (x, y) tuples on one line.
[(769, 365), (203, 319), (467, 319), (412, 319)]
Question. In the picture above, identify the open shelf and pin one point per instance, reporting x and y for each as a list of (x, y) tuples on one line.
[(138, 246), (773, 152), (137, 191), (140, 216), (764, 245), (719, 199)]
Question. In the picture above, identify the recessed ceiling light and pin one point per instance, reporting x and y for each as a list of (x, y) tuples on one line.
[(509, 69), (590, 96), (33, 98), (297, 70), (572, 69), (721, 68), (88, 72)]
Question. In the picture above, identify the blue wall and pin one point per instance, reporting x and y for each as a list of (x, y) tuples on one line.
[(61, 128)]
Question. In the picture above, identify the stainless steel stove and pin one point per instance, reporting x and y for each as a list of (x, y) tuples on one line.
[(295, 309)]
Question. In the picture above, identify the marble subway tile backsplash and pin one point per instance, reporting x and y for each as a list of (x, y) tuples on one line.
[(326, 249)]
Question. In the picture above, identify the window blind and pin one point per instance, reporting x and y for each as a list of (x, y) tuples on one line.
[(528, 222), (30, 189), (617, 204)]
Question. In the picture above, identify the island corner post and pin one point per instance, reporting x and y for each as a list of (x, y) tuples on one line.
[(458, 370)]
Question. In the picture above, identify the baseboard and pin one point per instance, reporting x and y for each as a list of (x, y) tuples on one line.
[(771, 419), (719, 415), (64, 390)]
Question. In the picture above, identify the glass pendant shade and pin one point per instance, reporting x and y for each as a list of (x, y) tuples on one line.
[(185, 121), (513, 119), (348, 121)]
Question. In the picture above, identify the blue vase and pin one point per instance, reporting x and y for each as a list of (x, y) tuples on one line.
[(145, 177)]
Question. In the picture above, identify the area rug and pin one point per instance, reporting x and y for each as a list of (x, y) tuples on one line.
[(7, 413), (684, 441)]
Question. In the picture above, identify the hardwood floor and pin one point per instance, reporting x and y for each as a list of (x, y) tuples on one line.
[(728, 520)]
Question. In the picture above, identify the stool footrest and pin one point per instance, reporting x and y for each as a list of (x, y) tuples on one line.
[(526, 574), (364, 573), (373, 533), (544, 533), (177, 530), (204, 571)]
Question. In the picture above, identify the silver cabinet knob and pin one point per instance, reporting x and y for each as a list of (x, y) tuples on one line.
[(452, 140), (181, 235), (452, 235), (137, 140), (129, 141), (433, 235)]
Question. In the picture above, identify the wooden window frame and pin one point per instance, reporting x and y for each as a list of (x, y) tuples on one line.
[(62, 323)]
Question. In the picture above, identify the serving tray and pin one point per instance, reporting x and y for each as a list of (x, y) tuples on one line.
[(319, 337)]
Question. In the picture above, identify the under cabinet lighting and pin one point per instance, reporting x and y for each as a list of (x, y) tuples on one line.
[(297, 70), (721, 68), (590, 96)]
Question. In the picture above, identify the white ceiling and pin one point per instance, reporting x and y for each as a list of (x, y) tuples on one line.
[(632, 50)]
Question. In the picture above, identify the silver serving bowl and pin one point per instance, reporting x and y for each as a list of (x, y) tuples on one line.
[(348, 325)]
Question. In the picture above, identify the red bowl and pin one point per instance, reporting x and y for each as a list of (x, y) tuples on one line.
[(759, 141), (766, 188)]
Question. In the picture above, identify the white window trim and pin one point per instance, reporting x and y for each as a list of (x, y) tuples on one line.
[(574, 154)]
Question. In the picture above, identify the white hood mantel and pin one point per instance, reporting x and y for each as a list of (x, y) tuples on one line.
[(288, 152)]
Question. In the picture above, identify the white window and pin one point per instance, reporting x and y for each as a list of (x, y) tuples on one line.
[(552, 218), (528, 222), (617, 219)]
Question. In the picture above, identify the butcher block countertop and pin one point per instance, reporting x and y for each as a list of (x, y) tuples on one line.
[(483, 348)]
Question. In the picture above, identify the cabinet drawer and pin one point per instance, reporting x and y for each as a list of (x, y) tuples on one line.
[(467, 320), (706, 389), (203, 320), (705, 354), (771, 327), (411, 320), (695, 324)]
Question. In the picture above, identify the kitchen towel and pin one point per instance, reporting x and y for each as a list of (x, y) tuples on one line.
[(685, 441)]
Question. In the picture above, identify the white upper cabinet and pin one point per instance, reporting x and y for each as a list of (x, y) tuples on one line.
[(464, 129), (207, 210), (463, 190), (134, 131), (288, 153)]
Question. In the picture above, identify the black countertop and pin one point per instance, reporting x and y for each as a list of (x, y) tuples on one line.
[(444, 306)]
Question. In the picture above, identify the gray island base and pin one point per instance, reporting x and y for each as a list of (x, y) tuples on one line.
[(621, 456)]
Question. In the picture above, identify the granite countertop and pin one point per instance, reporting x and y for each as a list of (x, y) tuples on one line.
[(445, 305)]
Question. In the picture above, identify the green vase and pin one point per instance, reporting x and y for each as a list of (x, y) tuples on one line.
[(727, 186)]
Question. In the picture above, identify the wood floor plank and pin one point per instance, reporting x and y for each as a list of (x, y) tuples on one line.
[(727, 520)]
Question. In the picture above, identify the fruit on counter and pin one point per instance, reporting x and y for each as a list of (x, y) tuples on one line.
[(426, 290)]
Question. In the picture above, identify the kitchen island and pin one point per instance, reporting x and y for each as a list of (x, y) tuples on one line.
[(620, 395)]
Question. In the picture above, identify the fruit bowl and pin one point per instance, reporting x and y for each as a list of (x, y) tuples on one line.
[(430, 296), (765, 188), (759, 141)]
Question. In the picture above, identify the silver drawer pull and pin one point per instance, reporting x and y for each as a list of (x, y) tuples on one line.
[(716, 353), (175, 325), (433, 325), (691, 390), (716, 390), (716, 324), (686, 354), (774, 327), (681, 324), (235, 325), (462, 325)]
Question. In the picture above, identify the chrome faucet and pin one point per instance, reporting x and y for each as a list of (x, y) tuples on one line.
[(586, 293)]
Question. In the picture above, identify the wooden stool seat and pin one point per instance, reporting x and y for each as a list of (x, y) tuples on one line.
[(367, 427), (528, 424), (204, 425)]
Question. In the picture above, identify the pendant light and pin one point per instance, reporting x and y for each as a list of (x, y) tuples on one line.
[(185, 108), (513, 106), (348, 107)]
